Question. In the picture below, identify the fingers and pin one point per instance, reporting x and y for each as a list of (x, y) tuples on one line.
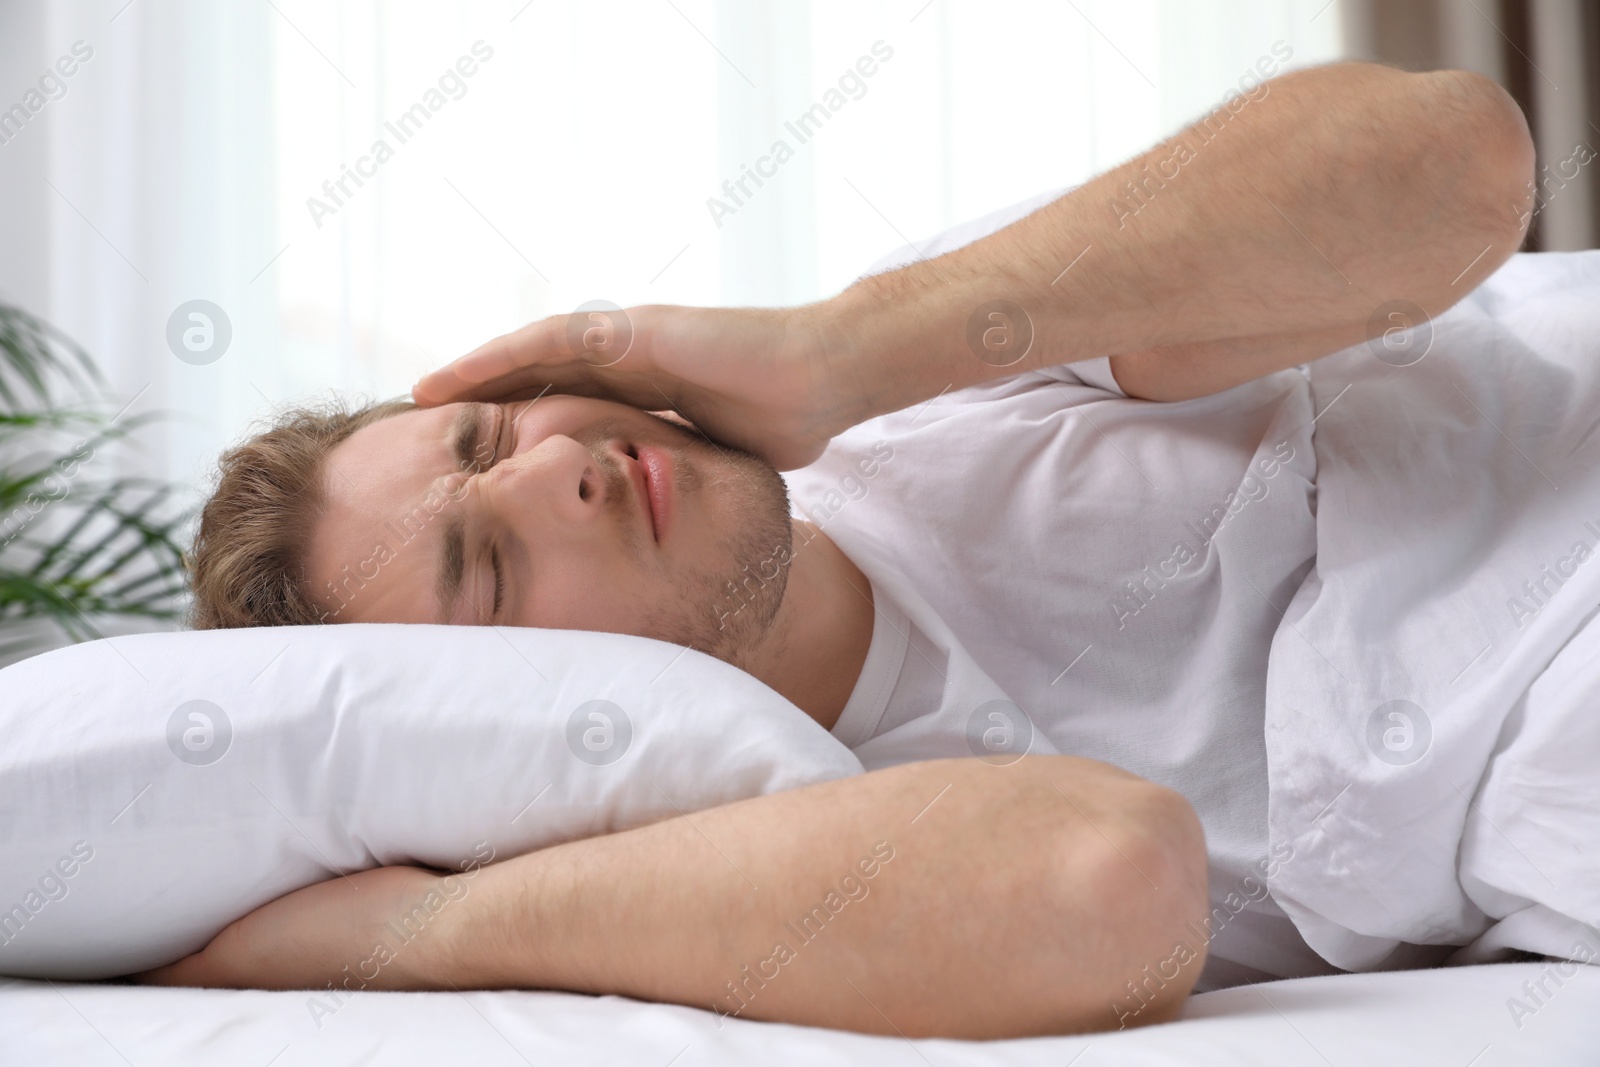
[(538, 343), (531, 384)]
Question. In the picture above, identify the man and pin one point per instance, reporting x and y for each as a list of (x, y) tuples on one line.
[(942, 591)]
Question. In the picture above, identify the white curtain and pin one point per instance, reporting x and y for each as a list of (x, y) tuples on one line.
[(199, 155)]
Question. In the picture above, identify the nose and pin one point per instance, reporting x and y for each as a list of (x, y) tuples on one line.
[(559, 478)]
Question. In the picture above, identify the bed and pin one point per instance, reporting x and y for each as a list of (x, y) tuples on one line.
[(90, 751), (1477, 1016)]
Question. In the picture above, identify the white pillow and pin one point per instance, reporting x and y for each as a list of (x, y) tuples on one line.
[(154, 788)]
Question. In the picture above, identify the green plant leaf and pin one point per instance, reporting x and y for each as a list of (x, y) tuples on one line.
[(110, 548), (36, 355)]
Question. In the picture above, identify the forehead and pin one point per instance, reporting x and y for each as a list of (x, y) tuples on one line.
[(369, 482), (385, 467)]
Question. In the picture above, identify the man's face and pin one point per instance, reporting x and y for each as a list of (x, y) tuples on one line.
[(562, 498)]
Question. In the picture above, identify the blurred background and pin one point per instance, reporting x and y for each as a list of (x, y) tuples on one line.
[(234, 204)]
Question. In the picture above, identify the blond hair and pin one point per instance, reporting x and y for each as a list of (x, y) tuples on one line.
[(247, 563)]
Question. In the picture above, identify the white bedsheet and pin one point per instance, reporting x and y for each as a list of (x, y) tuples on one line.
[(1450, 1017)]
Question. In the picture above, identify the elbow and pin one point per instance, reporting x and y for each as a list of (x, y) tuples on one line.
[(1483, 138), (1168, 904), (1149, 906), (1452, 173)]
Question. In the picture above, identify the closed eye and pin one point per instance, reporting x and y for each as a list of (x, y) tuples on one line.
[(501, 438), (499, 582), (488, 449), (496, 445)]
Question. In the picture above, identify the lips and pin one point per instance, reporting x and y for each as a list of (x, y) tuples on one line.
[(658, 478), (650, 471)]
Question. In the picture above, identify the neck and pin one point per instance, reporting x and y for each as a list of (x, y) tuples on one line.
[(813, 652)]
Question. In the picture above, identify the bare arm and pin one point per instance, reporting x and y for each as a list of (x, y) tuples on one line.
[(948, 897), (1248, 242), (1267, 234)]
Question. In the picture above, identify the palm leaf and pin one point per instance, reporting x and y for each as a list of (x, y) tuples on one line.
[(16, 485), (106, 548), (114, 539), (36, 355)]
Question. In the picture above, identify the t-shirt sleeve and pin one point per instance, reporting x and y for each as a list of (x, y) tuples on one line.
[(1094, 373)]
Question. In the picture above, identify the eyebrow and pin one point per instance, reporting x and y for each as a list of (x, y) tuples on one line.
[(463, 435)]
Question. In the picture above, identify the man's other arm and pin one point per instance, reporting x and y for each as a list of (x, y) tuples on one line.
[(1287, 224), (942, 898), (1273, 231)]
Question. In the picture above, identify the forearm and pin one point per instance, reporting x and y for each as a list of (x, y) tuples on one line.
[(1336, 190), (1001, 901)]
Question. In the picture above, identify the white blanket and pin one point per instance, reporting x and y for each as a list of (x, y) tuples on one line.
[(1433, 696)]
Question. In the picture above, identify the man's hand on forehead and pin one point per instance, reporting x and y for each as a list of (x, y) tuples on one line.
[(1397, 184), (748, 377)]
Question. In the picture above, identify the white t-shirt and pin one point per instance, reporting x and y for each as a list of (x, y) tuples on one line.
[(1059, 568)]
